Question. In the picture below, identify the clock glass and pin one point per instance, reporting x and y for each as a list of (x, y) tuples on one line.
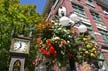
[(20, 46)]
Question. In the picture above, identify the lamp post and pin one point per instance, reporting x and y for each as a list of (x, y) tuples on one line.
[(71, 21)]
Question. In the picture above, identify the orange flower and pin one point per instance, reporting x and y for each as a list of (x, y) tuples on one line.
[(38, 41)]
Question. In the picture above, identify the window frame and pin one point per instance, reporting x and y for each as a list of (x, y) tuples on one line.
[(90, 30), (90, 1), (104, 35), (96, 17), (78, 9)]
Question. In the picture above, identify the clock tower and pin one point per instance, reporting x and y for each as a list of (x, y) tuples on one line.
[(19, 49)]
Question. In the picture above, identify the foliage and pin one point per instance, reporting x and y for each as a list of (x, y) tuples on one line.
[(87, 49), (14, 16), (64, 44)]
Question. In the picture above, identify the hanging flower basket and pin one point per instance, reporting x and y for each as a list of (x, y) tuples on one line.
[(59, 44)]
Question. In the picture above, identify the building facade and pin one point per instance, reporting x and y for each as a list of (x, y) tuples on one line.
[(94, 14)]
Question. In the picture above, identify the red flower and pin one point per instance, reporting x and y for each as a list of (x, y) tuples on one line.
[(48, 40), (63, 42), (43, 51), (46, 53), (52, 50)]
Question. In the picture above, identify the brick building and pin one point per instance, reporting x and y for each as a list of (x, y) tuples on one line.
[(94, 14)]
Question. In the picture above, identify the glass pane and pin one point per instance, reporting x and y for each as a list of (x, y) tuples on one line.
[(89, 0), (78, 9), (90, 31), (104, 35), (96, 16)]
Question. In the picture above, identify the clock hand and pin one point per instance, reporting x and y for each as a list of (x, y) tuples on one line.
[(20, 45)]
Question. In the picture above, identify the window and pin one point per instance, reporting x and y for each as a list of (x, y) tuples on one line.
[(104, 35), (78, 9), (96, 17), (105, 12), (90, 1), (78, 0), (90, 30), (105, 2), (102, 64)]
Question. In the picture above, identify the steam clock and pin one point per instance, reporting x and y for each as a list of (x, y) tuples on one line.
[(19, 49)]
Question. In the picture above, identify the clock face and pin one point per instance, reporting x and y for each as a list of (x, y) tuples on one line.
[(20, 46)]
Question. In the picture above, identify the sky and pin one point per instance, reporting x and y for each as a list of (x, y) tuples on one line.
[(39, 4)]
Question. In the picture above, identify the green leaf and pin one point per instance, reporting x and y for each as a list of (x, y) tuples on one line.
[(13, 14)]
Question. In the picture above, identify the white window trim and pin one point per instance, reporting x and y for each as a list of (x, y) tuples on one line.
[(85, 20), (104, 50), (101, 27), (97, 33), (90, 4), (105, 12)]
